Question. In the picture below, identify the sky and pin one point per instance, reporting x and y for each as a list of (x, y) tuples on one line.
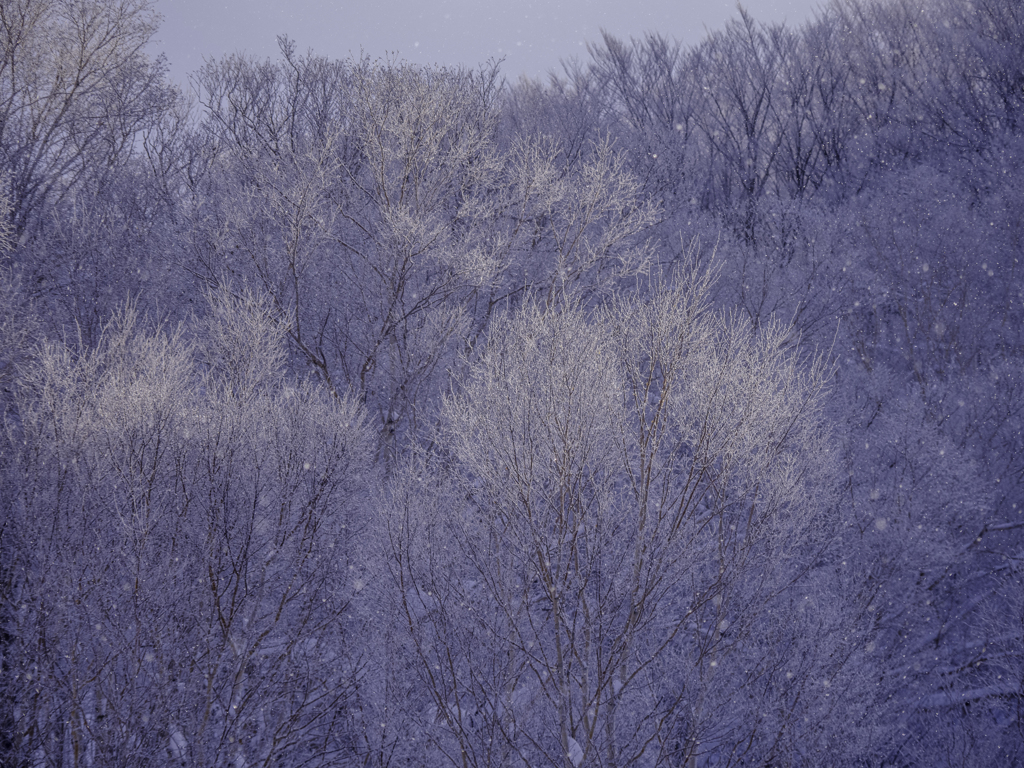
[(533, 37)]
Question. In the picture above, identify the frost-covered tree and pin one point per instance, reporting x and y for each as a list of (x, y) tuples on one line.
[(617, 503), (76, 89), (178, 547), (78, 96), (377, 207)]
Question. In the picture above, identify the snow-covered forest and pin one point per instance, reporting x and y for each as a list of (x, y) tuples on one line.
[(665, 413)]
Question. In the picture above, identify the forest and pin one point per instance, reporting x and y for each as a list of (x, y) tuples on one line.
[(667, 412)]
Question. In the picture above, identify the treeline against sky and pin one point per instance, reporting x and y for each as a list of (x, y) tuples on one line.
[(668, 412)]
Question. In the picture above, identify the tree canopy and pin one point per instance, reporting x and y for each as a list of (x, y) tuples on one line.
[(664, 413)]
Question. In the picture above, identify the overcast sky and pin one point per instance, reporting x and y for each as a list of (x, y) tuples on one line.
[(531, 36)]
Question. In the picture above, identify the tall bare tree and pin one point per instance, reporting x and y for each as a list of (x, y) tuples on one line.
[(75, 91), (179, 550), (616, 503)]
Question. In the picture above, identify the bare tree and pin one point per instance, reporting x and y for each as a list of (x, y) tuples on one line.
[(387, 222), (618, 491), (75, 89), (179, 550)]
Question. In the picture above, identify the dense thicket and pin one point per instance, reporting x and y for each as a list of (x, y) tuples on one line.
[(668, 412)]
